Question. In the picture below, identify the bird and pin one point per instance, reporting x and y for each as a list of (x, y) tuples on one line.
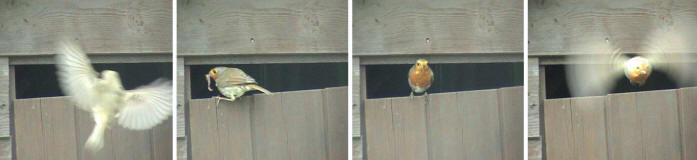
[(420, 77), (637, 70), (232, 83), (102, 94)]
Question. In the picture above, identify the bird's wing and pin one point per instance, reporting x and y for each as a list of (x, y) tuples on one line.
[(663, 49), (146, 106), (234, 76), (596, 78), (75, 74)]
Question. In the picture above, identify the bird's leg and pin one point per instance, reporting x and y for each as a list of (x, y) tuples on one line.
[(218, 98), (411, 95)]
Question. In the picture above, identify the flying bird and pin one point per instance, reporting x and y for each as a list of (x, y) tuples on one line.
[(420, 77), (103, 95), (232, 83)]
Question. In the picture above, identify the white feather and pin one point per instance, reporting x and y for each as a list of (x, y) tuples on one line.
[(76, 75), (146, 106)]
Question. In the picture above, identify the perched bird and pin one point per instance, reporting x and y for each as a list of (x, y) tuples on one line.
[(103, 95), (420, 77), (637, 70), (232, 83)]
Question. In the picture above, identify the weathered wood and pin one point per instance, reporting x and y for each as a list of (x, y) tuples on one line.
[(30, 27), (304, 115), (688, 114), (380, 136), (534, 149), (181, 98), (182, 149), (27, 121), (336, 122), (409, 124), (533, 97), (660, 128), (218, 27), (481, 115), (356, 98), (204, 135), (445, 129), (85, 124), (623, 127), (58, 116), (234, 129), (558, 129), (588, 120), (443, 58), (563, 27), (511, 117), (131, 144), (96, 58), (418, 27), (266, 59), (6, 149), (4, 97), (162, 140), (269, 127)]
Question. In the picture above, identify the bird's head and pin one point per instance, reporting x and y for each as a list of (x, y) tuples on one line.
[(215, 72), (421, 64), (637, 70), (110, 75)]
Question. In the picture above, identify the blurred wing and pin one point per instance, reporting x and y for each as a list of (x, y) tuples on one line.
[(594, 78), (146, 106), (75, 74), (666, 52)]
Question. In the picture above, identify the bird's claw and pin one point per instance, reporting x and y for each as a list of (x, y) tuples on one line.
[(411, 95)]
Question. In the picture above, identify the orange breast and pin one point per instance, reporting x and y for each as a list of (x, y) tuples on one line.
[(420, 77)]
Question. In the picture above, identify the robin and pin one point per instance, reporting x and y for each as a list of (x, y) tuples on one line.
[(232, 83), (420, 77), (637, 70), (103, 95)]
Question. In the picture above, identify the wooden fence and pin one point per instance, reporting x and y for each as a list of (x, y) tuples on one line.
[(643, 125), (308, 124), (484, 124), (53, 128)]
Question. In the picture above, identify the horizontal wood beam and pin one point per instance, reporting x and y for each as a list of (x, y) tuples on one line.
[(96, 58), (443, 58), (266, 59), (605, 59)]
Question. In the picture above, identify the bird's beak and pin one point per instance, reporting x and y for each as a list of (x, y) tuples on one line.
[(208, 81)]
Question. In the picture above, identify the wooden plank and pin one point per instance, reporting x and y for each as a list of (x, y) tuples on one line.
[(28, 129), (182, 149), (162, 140), (131, 144), (58, 116), (305, 124), (356, 98), (181, 98), (511, 116), (443, 58), (481, 120), (234, 130), (269, 127), (336, 122), (4, 97), (6, 149), (660, 123), (533, 97), (213, 27), (204, 134), (103, 26), (445, 129), (588, 26), (266, 59), (97, 58), (379, 134), (409, 123), (588, 120), (558, 129), (418, 27), (688, 114), (624, 127), (534, 149), (363, 96), (84, 124)]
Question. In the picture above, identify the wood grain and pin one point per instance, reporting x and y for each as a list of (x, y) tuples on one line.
[(211, 27), (511, 117), (661, 132), (336, 122), (379, 133), (391, 27), (181, 98), (558, 129), (31, 27), (483, 131), (204, 135), (588, 120), (445, 129), (533, 97), (624, 127), (688, 114), (269, 127), (4, 97), (162, 140), (59, 137), (304, 113), (409, 124), (27, 121), (234, 129)]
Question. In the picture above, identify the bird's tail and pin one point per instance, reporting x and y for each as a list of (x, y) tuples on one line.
[(96, 140), (260, 89)]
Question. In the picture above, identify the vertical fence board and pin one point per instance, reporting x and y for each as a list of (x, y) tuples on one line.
[(511, 111), (482, 133), (305, 124), (688, 111), (234, 129), (131, 144), (379, 129), (268, 127), (659, 110), (162, 140), (58, 116), (85, 124), (588, 119), (623, 127), (445, 128), (336, 119), (409, 120), (27, 121), (558, 129), (204, 136)]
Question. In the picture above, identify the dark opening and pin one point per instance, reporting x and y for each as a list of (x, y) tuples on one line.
[(32, 81), (557, 86), (391, 80), (276, 77)]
